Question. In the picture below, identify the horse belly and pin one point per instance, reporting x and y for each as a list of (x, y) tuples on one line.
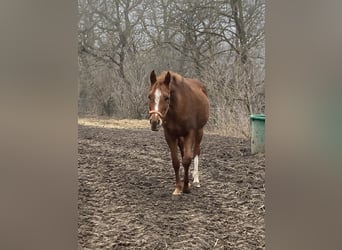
[(201, 116)]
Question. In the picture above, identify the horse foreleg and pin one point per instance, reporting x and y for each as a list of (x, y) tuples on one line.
[(181, 145), (172, 142), (176, 165), (186, 160)]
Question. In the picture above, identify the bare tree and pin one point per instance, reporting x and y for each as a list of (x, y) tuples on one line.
[(221, 42), (108, 37)]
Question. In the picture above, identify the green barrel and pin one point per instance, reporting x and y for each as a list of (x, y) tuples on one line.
[(258, 133)]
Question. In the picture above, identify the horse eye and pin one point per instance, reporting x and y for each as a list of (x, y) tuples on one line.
[(149, 97), (167, 98)]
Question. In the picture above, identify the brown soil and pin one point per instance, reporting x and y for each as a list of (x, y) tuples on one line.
[(125, 199)]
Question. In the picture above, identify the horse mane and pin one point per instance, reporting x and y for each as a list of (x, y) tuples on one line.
[(175, 76), (180, 79), (204, 89)]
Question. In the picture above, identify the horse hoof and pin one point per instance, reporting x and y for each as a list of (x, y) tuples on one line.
[(177, 192), (196, 184)]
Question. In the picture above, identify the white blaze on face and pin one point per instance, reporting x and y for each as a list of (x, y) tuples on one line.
[(157, 95), (196, 173)]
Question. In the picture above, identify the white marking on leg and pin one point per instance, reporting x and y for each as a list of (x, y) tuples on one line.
[(196, 173), (157, 95)]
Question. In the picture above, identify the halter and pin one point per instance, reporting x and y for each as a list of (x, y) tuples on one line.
[(159, 114), (152, 112)]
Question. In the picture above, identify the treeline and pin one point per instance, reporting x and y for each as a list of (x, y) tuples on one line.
[(219, 42)]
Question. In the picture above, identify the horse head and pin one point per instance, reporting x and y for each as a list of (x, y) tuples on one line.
[(159, 99)]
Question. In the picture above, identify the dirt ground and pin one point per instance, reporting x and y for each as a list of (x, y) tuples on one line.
[(125, 200)]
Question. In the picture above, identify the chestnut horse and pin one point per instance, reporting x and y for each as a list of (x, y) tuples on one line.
[(181, 106)]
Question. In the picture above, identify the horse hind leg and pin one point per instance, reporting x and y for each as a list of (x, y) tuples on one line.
[(195, 174), (197, 150)]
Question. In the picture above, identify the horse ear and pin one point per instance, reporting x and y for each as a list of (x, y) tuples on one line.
[(153, 77), (167, 78)]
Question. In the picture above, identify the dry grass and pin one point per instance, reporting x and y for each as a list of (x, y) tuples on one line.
[(229, 131), (104, 122), (113, 123)]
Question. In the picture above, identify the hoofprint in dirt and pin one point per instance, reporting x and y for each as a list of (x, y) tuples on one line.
[(125, 200)]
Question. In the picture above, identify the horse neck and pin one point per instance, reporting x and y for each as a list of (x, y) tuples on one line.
[(180, 99)]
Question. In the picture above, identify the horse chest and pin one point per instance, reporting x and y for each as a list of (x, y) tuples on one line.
[(176, 128)]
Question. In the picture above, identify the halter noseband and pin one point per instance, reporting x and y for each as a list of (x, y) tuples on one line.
[(156, 112)]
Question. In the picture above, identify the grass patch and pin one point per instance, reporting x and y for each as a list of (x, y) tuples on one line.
[(231, 130), (113, 123)]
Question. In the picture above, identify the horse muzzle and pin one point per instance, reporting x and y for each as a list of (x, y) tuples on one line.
[(155, 124), (155, 120)]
